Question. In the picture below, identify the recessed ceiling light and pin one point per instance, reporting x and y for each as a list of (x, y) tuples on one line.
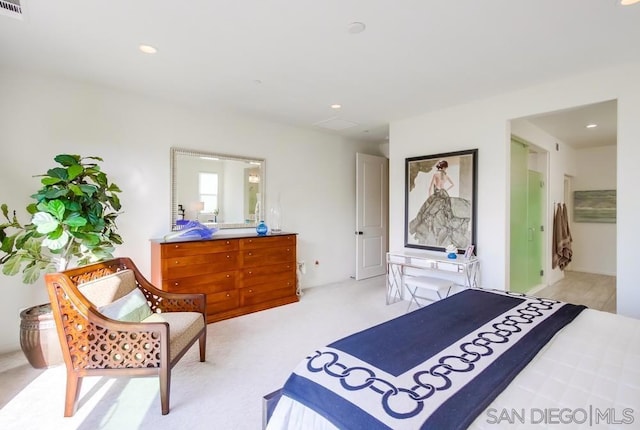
[(356, 27), (147, 49), (628, 2), (592, 125), (336, 106)]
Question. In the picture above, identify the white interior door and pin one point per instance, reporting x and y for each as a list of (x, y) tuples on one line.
[(372, 209)]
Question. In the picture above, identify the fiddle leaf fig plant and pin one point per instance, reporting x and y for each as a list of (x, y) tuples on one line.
[(73, 217)]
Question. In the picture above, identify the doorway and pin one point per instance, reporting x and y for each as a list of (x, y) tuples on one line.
[(527, 237)]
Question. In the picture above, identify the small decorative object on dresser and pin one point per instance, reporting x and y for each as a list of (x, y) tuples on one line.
[(275, 214), (240, 273), (262, 229)]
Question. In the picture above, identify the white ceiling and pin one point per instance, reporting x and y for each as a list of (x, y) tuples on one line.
[(570, 126), (289, 60)]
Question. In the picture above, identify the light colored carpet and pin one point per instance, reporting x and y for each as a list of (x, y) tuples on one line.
[(247, 357)]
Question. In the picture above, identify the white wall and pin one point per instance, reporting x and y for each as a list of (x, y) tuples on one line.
[(484, 124), (594, 244), (42, 116)]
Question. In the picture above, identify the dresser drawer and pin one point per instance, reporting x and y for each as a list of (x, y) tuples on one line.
[(266, 292), (267, 242), (183, 249), (208, 283), (221, 302), (268, 256), (181, 267), (263, 274)]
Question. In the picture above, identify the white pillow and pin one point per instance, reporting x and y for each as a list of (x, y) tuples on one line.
[(133, 308)]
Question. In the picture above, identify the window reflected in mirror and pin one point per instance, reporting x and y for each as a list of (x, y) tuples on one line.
[(223, 191)]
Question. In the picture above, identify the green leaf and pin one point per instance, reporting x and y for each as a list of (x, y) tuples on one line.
[(56, 233), (114, 200), (7, 244), (75, 220), (55, 193), (91, 239), (73, 206), (75, 170), (88, 189), (32, 208), (47, 180), (115, 238), (44, 222), (93, 158), (101, 179), (56, 208), (76, 189), (31, 272), (67, 160), (58, 172), (57, 243), (114, 188), (12, 266)]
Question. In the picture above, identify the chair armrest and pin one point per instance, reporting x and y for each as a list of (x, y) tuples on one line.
[(173, 302)]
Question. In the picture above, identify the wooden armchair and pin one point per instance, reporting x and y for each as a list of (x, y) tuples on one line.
[(95, 344)]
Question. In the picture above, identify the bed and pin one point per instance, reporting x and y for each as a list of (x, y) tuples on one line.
[(480, 359)]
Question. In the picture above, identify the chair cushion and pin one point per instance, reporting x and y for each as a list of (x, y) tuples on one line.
[(183, 327), (133, 308), (110, 288)]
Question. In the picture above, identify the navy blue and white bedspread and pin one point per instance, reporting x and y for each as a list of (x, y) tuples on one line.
[(435, 368)]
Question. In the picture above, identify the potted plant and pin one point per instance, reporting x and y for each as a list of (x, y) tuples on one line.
[(72, 220)]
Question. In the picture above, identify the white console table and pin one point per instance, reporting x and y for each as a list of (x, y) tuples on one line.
[(399, 263)]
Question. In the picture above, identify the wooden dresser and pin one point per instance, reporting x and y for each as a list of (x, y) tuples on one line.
[(239, 274)]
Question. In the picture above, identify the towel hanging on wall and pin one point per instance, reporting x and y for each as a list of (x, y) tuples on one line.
[(561, 243)]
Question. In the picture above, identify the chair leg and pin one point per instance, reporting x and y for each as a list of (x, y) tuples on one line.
[(165, 387), (203, 346), (74, 383)]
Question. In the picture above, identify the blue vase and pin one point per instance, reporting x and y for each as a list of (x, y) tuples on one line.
[(452, 255), (262, 229)]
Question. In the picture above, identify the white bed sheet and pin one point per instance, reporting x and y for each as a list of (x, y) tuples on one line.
[(589, 371)]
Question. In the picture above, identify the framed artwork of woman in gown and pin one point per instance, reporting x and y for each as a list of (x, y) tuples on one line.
[(440, 201)]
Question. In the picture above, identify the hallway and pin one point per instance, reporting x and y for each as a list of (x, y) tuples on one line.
[(589, 289)]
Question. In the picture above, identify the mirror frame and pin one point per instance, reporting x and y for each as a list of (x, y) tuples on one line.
[(175, 152)]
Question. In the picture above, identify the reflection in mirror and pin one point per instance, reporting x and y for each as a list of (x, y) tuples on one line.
[(223, 191)]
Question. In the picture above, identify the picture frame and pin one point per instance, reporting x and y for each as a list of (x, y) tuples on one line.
[(469, 252), (440, 201)]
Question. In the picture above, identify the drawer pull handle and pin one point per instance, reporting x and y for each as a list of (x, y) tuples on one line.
[(177, 246), (228, 256), (177, 262), (227, 242), (250, 272), (176, 284), (251, 291), (228, 295), (250, 253), (228, 276)]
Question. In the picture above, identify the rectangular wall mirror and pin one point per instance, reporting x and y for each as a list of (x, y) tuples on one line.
[(223, 191)]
